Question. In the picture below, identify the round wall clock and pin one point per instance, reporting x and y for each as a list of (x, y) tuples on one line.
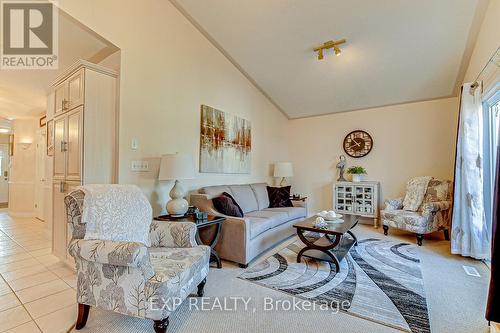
[(358, 143)]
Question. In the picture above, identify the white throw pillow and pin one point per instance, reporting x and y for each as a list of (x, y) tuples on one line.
[(116, 213)]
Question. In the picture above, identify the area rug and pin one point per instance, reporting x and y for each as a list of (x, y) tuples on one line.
[(379, 280)]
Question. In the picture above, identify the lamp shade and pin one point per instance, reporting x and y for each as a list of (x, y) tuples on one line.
[(283, 169), (176, 166)]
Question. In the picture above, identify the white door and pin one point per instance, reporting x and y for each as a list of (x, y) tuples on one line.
[(4, 174), (40, 175)]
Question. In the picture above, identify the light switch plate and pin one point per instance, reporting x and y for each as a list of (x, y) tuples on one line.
[(135, 144), (139, 166)]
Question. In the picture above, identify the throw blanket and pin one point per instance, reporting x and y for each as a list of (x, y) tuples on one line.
[(116, 213), (415, 193)]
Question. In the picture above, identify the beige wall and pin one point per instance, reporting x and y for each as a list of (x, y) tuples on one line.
[(168, 70), (410, 140), (488, 40), (22, 172)]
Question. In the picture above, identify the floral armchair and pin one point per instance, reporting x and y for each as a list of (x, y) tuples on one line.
[(132, 279), (433, 214)]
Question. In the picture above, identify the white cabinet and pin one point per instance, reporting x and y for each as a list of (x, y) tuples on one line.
[(357, 198), (84, 139), (70, 93)]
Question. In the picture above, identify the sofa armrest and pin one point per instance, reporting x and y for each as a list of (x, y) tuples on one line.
[(235, 234), (172, 234), (299, 203), (394, 204), (431, 208)]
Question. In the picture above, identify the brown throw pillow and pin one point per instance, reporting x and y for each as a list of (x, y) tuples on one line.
[(226, 205), (279, 196)]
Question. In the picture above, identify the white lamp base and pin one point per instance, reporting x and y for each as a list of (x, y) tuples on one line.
[(178, 206)]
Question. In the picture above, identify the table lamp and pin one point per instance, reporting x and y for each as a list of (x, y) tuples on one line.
[(177, 167), (283, 170)]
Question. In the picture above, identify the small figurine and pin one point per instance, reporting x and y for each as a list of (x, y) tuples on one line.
[(341, 166)]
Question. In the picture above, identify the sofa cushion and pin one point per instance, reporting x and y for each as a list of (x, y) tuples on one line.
[(258, 225), (279, 196), (215, 191), (244, 196), (275, 218), (261, 195), (292, 212), (226, 205)]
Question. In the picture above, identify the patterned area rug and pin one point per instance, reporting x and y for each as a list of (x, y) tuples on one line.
[(379, 280)]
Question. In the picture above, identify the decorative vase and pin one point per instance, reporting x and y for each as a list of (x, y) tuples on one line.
[(358, 178)]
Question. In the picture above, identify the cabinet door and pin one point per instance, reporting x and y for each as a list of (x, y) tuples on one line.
[(74, 144), (60, 99), (59, 228), (59, 148), (75, 90)]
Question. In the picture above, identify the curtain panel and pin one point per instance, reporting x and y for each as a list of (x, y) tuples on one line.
[(469, 232)]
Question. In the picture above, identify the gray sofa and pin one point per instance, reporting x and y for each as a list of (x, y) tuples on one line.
[(243, 239)]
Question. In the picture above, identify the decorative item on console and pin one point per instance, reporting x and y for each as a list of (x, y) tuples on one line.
[(341, 166), (358, 173)]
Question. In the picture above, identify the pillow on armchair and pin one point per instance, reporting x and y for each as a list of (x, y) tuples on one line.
[(279, 196)]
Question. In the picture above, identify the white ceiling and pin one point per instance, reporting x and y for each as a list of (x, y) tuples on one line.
[(23, 93), (396, 51)]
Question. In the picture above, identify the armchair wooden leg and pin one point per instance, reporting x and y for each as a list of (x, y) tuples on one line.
[(83, 315), (243, 265), (420, 238), (160, 326), (201, 288), (386, 229), (446, 234)]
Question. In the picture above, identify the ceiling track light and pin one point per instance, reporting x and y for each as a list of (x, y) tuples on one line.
[(329, 45)]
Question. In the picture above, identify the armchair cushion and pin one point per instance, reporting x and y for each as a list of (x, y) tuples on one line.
[(172, 234), (405, 220)]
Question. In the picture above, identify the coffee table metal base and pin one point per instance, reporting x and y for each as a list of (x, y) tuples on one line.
[(332, 248)]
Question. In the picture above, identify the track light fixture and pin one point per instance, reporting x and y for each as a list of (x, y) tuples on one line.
[(329, 45)]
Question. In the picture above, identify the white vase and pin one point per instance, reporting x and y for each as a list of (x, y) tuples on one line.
[(358, 178)]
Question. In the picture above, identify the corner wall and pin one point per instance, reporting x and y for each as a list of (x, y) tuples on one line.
[(414, 139), (22, 170)]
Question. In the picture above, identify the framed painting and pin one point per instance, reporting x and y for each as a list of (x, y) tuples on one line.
[(225, 142)]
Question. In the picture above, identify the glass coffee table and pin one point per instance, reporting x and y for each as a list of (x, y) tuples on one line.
[(333, 242)]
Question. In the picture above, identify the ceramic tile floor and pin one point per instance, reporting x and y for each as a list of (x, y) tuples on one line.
[(37, 291)]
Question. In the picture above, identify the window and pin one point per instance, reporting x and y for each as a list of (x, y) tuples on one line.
[(491, 109)]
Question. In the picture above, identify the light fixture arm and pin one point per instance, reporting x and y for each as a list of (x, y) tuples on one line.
[(331, 44)]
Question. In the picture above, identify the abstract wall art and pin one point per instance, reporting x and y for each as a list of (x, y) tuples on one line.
[(225, 142)]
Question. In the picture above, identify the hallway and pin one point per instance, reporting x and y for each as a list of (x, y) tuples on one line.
[(36, 291)]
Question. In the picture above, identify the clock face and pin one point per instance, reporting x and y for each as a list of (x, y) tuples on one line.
[(358, 144)]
